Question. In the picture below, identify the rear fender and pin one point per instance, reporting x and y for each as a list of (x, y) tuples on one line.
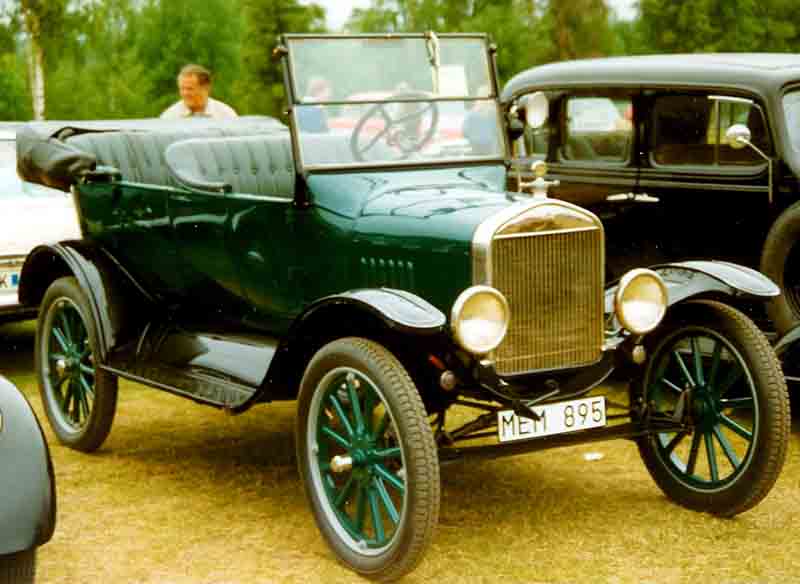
[(381, 312), (27, 483), (685, 280), (114, 297)]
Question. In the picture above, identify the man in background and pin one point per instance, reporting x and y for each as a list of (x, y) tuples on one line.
[(194, 85)]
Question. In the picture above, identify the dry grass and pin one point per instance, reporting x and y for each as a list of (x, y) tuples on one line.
[(183, 494)]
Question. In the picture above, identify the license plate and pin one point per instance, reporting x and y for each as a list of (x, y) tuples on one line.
[(9, 280), (557, 418)]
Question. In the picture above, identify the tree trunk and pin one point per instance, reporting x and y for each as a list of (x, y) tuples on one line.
[(35, 60)]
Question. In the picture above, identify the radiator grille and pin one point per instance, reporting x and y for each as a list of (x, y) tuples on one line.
[(554, 285)]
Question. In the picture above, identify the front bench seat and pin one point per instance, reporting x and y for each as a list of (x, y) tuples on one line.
[(256, 165)]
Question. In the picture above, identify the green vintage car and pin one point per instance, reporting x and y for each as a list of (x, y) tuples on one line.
[(369, 263)]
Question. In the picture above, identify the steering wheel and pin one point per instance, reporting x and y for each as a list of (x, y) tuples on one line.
[(400, 129)]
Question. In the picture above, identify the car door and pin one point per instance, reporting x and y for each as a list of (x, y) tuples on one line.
[(589, 144), (263, 241), (133, 221), (200, 223), (712, 198)]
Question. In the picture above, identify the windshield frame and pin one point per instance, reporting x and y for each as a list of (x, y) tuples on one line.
[(284, 52)]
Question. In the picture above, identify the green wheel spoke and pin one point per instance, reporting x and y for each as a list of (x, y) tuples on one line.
[(677, 439), (355, 403), (684, 369), (693, 451), (711, 454), (344, 493), (727, 448), (87, 370), (736, 427), (698, 361), (62, 317), (341, 415), (57, 356), (62, 341), (388, 504), (671, 385), (715, 358), (369, 406), (76, 403), (384, 453), (87, 387), (59, 382), (361, 509), (737, 403), (84, 405), (382, 425), (389, 477), (68, 396), (734, 375), (377, 520), (335, 436)]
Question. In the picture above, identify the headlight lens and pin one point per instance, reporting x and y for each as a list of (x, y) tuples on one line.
[(480, 319), (641, 300)]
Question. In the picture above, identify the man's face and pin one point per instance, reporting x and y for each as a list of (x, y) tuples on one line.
[(193, 93)]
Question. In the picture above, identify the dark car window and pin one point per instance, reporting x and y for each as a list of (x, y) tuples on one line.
[(690, 130), (597, 129)]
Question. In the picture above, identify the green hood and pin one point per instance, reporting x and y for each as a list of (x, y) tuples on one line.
[(413, 229)]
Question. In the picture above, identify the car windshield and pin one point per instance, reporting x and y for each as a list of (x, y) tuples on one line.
[(393, 100), (791, 109)]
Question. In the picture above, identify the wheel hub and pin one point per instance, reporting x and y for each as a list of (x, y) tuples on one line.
[(704, 409)]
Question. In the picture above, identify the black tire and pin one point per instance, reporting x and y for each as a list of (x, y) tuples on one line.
[(18, 568), (738, 402), (780, 261), (358, 371), (79, 397)]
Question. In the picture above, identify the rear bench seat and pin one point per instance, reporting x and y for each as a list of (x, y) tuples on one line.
[(256, 164)]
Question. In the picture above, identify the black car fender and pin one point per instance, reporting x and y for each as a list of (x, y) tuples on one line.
[(114, 297), (27, 482), (690, 279), (355, 312)]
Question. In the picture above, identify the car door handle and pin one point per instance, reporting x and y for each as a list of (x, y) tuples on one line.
[(632, 198)]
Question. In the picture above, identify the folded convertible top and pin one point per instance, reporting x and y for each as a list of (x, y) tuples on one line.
[(45, 156)]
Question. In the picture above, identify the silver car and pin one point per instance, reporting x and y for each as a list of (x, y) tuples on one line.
[(30, 214)]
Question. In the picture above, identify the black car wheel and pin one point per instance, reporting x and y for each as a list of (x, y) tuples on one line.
[(18, 568), (713, 366), (367, 458), (79, 397), (780, 261)]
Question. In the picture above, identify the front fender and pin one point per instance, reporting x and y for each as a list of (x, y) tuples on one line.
[(689, 279), (27, 483), (361, 312), (114, 297), (397, 309)]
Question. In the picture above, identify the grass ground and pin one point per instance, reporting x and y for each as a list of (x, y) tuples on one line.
[(183, 494)]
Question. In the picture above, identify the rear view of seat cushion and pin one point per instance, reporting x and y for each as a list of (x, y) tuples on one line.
[(256, 165), (139, 156)]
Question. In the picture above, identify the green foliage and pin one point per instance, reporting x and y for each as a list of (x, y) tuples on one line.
[(717, 25), (172, 34), (120, 58), (15, 103), (577, 29), (260, 87)]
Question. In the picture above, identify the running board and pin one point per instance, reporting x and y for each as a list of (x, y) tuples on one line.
[(198, 386), (218, 368)]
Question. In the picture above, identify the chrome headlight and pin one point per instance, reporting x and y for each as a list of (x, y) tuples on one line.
[(641, 300), (480, 319)]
